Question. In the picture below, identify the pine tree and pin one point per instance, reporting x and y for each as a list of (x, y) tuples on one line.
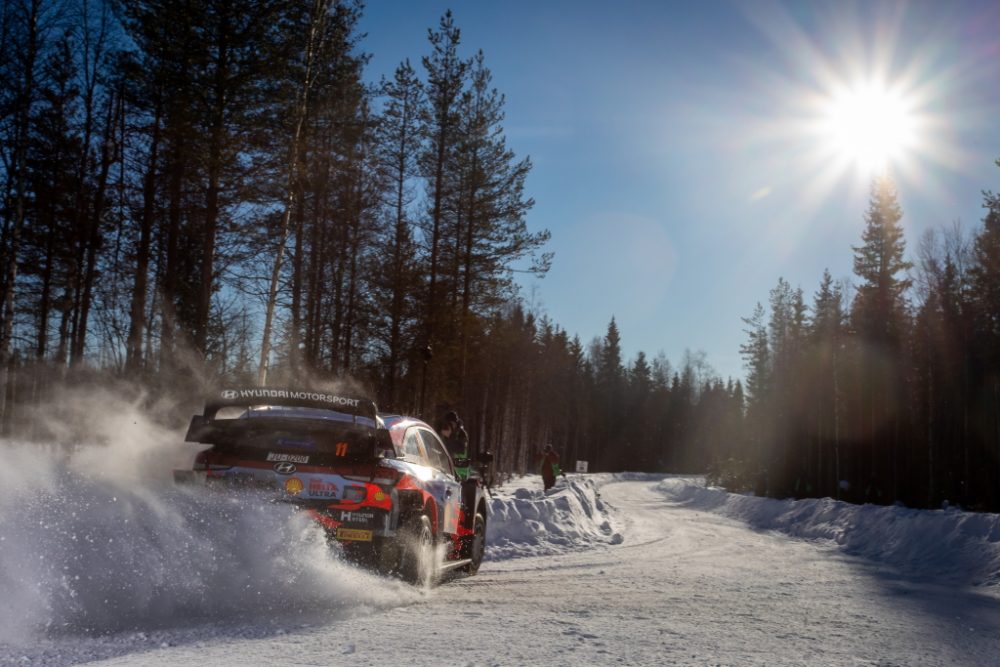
[(446, 78), (490, 232), (880, 320), (51, 237), (985, 356), (27, 29), (880, 304), (985, 277), (399, 148), (825, 364), (756, 355)]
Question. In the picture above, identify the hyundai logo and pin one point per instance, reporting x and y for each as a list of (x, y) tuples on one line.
[(284, 468), (229, 394)]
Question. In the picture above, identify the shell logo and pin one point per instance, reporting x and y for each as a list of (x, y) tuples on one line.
[(379, 496), (293, 486)]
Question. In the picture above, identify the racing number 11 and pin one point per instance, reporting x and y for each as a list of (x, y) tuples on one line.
[(341, 449)]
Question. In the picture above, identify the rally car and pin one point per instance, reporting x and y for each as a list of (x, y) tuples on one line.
[(383, 487)]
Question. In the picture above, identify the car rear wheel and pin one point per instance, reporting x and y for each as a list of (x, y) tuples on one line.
[(474, 545), (418, 563)]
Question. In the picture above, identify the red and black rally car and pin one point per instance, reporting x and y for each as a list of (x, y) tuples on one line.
[(384, 487)]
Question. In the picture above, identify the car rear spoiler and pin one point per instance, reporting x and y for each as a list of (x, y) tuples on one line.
[(203, 426)]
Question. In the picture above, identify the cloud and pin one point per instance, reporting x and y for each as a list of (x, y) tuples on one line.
[(760, 194)]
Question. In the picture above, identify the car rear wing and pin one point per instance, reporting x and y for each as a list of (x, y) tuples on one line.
[(204, 426)]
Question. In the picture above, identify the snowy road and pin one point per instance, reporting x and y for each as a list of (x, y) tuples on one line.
[(691, 588), (684, 587)]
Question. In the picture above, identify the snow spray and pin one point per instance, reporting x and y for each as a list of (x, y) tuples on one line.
[(95, 538)]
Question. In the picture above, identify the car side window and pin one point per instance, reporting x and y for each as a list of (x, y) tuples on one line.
[(436, 452), (411, 447)]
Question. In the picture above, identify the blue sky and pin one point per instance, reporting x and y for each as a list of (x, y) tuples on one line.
[(679, 158)]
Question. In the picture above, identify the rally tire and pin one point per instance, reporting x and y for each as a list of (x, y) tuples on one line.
[(474, 545), (418, 564)]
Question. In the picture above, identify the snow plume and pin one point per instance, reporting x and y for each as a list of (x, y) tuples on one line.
[(95, 538), (952, 546), (526, 521)]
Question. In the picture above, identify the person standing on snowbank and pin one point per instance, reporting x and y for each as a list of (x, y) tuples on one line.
[(549, 467)]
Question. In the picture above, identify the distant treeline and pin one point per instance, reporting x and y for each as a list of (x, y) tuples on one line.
[(885, 391), (214, 193)]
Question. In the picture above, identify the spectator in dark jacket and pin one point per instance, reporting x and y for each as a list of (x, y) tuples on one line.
[(456, 441), (549, 466)]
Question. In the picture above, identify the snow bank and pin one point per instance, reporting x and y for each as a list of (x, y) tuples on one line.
[(524, 520), (944, 545)]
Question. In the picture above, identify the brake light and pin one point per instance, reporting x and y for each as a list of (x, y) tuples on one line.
[(385, 475), (380, 474)]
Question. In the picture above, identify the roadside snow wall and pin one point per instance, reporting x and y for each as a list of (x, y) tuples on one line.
[(944, 545), (524, 520)]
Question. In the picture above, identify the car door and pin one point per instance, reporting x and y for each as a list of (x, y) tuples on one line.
[(444, 486)]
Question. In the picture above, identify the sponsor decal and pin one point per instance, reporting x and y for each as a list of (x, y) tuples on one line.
[(342, 401), (321, 489), (296, 444), (354, 494), (379, 496), (291, 458), (354, 534), (293, 486), (357, 517), (285, 468)]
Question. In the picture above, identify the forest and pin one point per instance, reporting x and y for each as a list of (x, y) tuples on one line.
[(218, 193)]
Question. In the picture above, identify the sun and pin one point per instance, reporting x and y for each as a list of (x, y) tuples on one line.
[(870, 125)]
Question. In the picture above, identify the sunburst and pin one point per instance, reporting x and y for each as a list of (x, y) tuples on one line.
[(871, 125)]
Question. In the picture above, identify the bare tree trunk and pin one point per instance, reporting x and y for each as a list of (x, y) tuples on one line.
[(45, 301), (467, 282), (295, 335), (137, 319), (211, 224), (396, 309), (316, 30), (169, 270), (314, 324), (94, 240)]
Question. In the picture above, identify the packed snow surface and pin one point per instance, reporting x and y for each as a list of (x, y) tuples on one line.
[(103, 560)]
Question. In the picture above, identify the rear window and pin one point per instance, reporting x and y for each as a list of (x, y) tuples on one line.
[(297, 440), (340, 445)]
